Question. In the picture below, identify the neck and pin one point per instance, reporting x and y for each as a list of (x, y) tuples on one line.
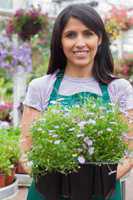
[(78, 72)]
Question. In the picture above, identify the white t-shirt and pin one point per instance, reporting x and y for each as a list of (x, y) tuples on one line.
[(39, 90)]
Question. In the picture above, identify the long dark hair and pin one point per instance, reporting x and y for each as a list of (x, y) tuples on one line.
[(103, 64)]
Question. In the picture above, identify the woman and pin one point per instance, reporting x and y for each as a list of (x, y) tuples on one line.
[(80, 63)]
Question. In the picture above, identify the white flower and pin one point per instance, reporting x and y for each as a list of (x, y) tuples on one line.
[(56, 111), (80, 135), (109, 129), (55, 136), (91, 150), (50, 131), (88, 141), (99, 132), (66, 114), (81, 159), (90, 113), (94, 105), (82, 124), (40, 129), (101, 117), (53, 102), (113, 123), (57, 142), (56, 127), (77, 106), (91, 121), (71, 129)]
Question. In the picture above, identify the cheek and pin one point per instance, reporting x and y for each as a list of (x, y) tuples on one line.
[(67, 48), (94, 48), (66, 44)]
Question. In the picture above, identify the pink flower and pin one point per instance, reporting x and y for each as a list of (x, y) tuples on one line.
[(10, 28), (19, 13)]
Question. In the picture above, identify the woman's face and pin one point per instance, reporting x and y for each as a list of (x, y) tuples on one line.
[(79, 44)]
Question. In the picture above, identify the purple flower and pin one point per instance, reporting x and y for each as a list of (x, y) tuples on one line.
[(13, 56), (81, 159), (88, 141), (91, 150)]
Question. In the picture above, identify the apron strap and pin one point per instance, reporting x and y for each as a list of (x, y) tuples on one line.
[(105, 93), (56, 86)]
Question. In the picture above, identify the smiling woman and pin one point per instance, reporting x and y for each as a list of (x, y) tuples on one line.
[(80, 67), (80, 46)]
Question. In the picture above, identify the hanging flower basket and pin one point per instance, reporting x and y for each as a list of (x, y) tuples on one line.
[(27, 23)]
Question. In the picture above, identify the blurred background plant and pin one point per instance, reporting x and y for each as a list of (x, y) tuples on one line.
[(14, 57), (117, 20), (27, 23)]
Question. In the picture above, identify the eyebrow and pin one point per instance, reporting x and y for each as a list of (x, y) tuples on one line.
[(71, 30)]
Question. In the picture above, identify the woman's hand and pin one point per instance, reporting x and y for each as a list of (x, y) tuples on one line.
[(25, 164), (127, 164), (125, 167)]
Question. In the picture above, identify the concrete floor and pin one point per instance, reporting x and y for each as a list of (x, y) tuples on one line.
[(129, 190)]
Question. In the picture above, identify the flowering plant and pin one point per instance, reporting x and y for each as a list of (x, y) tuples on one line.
[(65, 138), (27, 23), (5, 109), (13, 57), (9, 148), (112, 28), (116, 21)]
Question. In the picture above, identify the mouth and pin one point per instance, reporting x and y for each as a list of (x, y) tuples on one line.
[(81, 53)]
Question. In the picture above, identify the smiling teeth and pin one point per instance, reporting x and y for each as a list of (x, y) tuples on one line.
[(81, 52)]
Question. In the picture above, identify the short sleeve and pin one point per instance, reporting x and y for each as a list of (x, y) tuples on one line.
[(122, 93), (33, 96)]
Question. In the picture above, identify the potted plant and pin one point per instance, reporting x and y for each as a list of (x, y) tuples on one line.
[(27, 23), (9, 151), (68, 142)]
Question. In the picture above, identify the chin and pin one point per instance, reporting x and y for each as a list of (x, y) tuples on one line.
[(83, 65)]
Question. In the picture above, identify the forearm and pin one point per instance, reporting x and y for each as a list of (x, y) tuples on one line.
[(29, 116), (127, 164)]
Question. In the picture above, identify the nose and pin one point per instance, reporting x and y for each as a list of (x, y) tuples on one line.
[(80, 42)]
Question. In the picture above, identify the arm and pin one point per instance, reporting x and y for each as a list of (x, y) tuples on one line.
[(128, 162), (29, 115)]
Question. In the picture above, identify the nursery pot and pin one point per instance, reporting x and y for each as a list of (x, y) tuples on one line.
[(2, 180), (89, 181), (10, 178)]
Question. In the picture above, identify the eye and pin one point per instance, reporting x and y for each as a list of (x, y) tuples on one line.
[(71, 34), (88, 33)]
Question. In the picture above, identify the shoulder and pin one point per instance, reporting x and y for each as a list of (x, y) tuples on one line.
[(120, 84), (38, 92), (43, 82)]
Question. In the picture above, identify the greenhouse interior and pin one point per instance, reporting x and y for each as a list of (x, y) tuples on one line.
[(26, 50)]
